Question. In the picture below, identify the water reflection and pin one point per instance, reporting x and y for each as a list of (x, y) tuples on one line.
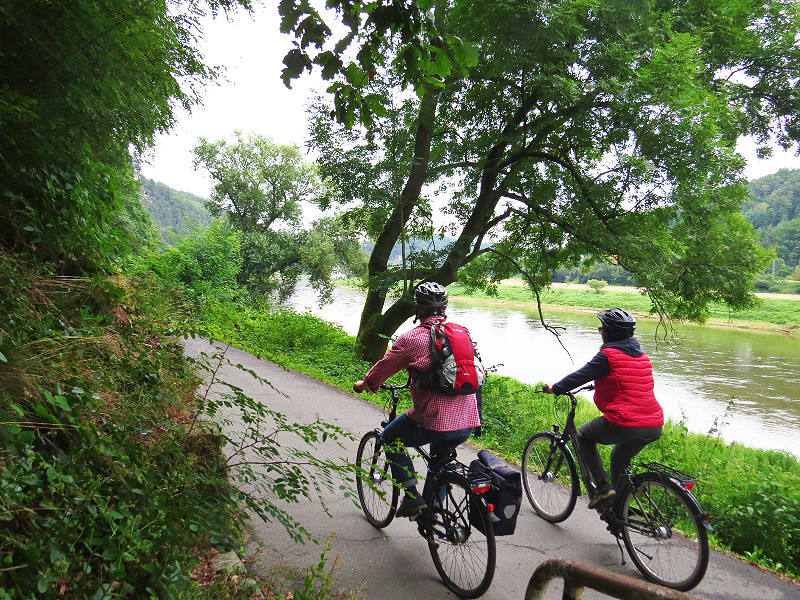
[(744, 383)]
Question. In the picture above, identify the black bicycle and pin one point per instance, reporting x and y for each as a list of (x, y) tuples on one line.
[(457, 522), (654, 512)]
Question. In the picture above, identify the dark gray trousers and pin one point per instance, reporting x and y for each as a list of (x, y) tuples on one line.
[(628, 442)]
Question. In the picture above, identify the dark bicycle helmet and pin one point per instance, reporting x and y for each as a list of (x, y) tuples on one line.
[(430, 294), (617, 322)]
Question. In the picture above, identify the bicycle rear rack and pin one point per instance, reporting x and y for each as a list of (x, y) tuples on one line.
[(679, 476), (474, 476)]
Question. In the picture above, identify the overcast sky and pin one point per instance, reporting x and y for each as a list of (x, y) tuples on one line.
[(250, 96)]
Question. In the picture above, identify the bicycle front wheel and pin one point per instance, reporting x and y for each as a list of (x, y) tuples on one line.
[(376, 492), (663, 533), (550, 478), (463, 551)]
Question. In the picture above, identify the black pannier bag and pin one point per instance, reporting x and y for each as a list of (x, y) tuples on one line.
[(505, 495)]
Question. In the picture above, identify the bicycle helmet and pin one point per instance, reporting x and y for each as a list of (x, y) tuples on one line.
[(617, 322), (430, 294)]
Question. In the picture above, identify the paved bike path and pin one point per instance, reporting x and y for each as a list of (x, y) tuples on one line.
[(394, 563)]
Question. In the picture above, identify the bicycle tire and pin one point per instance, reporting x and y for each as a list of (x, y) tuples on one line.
[(663, 532), (464, 556), (550, 477), (376, 491)]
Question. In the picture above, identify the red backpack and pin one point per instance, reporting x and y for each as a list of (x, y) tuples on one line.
[(457, 367)]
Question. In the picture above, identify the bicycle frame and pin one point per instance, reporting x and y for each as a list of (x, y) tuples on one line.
[(570, 434), (435, 464)]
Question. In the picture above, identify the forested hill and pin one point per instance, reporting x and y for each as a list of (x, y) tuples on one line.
[(775, 213), (172, 211)]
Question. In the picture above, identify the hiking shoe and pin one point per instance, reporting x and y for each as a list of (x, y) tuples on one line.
[(605, 493), (411, 507)]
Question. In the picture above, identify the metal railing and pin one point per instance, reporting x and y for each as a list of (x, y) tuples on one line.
[(578, 576)]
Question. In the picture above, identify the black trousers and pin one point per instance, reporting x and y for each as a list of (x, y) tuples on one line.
[(628, 442)]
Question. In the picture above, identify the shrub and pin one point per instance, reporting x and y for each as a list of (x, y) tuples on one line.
[(597, 284)]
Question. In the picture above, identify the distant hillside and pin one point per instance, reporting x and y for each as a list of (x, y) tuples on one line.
[(172, 211), (775, 213), (412, 245)]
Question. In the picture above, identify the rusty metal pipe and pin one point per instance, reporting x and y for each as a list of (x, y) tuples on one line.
[(578, 576)]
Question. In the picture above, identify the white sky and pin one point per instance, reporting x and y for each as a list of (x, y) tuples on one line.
[(250, 96)]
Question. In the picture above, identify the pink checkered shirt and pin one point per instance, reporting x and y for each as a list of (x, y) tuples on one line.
[(432, 409)]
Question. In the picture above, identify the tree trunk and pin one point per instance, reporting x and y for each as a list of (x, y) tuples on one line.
[(375, 326), (373, 339)]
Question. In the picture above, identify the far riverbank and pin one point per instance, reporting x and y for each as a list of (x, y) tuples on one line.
[(776, 312)]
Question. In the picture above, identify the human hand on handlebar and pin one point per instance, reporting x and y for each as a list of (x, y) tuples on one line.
[(547, 388), (360, 386)]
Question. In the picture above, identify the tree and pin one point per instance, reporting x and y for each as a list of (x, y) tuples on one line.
[(259, 187), (597, 284), (257, 183), (785, 239), (81, 83), (600, 131)]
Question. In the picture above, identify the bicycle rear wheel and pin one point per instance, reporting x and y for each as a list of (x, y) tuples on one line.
[(376, 492), (550, 478), (663, 532), (463, 554)]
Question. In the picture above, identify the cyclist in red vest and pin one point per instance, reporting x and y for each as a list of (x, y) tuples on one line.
[(632, 417)]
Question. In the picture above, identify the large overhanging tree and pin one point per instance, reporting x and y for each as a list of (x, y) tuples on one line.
[(587, 131)]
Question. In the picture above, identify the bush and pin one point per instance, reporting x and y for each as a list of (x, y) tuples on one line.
[(97, 494), (597, 284)]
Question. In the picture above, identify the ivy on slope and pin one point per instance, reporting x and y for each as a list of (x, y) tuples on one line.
[(101, 492)]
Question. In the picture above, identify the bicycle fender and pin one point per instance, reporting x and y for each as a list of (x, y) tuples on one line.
[(696, 505), (568, 451)]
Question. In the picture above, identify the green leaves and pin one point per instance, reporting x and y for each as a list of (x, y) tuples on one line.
[(405, 33), (79, 87)]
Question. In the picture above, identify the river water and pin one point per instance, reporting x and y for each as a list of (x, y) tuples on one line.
[(743, 383)]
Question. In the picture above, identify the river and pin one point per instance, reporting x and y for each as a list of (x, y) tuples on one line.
[(744, 384)]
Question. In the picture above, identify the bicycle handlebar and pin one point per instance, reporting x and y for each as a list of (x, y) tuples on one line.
[(585, 388), (392, 388), (406, 385)]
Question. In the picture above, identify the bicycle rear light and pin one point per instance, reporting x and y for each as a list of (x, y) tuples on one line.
[(689, 485), (481, 489)]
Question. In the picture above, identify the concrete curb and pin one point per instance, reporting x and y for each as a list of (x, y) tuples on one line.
[(230, 561)]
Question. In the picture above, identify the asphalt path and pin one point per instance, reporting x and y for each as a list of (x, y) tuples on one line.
[(394, 563)]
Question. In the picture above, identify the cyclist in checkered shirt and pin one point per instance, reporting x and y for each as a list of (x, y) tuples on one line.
[(442, 421)]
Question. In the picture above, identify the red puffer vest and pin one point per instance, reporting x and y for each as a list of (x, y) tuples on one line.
[(625, 395)]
